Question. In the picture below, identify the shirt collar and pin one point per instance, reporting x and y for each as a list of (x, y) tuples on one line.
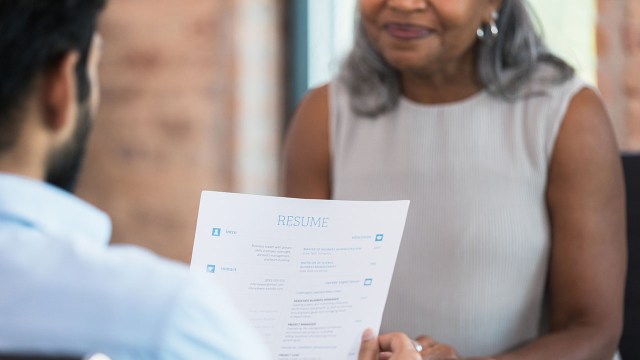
[(51, 210)]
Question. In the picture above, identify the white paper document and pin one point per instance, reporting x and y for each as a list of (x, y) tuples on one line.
[(311, 275)]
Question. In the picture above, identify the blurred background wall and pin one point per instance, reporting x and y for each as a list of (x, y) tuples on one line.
[(618, 48), (196, 95), (191, 100)]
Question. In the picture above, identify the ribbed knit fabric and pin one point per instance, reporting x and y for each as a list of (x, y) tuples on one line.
[(473, 262)]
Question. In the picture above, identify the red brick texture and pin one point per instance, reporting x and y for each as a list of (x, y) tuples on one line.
[(618, 41), (165, 128)]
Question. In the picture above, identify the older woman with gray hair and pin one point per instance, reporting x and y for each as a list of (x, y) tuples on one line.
[(515, 243)]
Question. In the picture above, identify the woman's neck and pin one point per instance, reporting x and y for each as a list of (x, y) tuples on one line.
[(452, 82)]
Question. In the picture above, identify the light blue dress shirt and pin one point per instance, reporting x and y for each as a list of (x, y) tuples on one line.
[(64, 290)]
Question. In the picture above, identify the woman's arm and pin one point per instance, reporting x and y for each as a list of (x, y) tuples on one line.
[(585, 196), (307, 160)]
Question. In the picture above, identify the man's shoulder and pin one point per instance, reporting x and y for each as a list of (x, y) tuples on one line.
[(113, 299), (144, 282), (74, 281), (200, 319)]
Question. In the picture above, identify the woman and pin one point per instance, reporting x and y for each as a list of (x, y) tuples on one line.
[(514, 247)]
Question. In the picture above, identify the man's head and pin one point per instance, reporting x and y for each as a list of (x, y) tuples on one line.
[(49, 52)]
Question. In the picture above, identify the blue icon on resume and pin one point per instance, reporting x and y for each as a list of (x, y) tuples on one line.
[(211, 268), (379, 237), (215, 232), (368, 282)]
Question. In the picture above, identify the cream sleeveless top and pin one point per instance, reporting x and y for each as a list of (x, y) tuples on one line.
[(472, 267)]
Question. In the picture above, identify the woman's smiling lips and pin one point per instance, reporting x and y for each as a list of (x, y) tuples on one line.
[(407, 31)]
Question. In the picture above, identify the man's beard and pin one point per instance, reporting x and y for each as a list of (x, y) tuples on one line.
[(65, 163)]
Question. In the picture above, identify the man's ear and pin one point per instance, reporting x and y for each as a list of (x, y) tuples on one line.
[(59, 92)]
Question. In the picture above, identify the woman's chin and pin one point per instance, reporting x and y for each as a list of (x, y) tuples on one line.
[(404, 64)]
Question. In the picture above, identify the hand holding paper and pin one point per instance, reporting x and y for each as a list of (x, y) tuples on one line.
[(310, 275)]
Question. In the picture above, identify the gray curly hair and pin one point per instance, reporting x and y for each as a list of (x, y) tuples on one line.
[(505, 64)]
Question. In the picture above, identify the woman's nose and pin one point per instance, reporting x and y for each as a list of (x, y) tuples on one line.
[(407, 5)]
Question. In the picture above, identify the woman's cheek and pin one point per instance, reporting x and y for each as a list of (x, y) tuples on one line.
[(369, 7)]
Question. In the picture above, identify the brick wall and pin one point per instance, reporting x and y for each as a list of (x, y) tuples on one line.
[(618, 41), (167, 125)]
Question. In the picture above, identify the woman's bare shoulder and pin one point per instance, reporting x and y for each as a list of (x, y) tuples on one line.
[(307, 155)]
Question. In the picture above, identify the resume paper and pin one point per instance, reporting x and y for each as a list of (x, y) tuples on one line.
[(311, 275)]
